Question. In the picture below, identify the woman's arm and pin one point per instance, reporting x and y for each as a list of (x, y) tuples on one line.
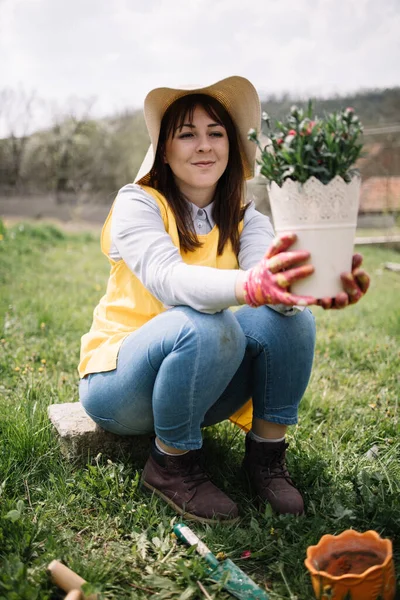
[(255, 238), (140, 239)]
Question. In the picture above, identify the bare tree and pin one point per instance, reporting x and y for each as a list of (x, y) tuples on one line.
[(17, 109), (68, 133)]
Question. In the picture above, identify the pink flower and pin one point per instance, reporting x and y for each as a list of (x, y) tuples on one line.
[(245, 554), (309, 128), (279, 141), (350, 109), (292, 132)]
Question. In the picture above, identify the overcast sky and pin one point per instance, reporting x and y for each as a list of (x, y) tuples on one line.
[(117, 50)]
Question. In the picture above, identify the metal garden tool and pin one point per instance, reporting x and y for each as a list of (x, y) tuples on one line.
[(233, 579)]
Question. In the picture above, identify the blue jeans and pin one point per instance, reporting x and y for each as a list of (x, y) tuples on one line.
[(184, 370)]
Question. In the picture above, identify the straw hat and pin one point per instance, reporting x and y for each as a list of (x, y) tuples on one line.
[(236, 94)]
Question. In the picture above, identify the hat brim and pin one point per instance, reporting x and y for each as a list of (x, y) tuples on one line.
[(236, 94)]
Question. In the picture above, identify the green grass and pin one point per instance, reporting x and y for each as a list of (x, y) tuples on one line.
[(96, 517)]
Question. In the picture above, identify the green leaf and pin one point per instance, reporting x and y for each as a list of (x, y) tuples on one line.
[(190, 592), (13, 515)]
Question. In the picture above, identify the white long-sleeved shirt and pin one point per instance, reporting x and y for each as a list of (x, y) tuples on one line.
[(138, 237)]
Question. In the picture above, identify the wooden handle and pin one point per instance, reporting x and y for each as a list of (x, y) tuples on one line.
[(66, 579), (74, 595)]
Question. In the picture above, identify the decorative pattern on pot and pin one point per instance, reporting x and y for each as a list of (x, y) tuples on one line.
[(324, 217)]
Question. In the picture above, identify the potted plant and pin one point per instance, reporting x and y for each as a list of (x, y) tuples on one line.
[(313, 187)]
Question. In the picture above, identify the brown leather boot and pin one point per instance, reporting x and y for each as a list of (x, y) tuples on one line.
[(264, 464), (182, 482)]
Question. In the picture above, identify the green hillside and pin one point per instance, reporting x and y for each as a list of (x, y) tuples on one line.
[(81, 156)]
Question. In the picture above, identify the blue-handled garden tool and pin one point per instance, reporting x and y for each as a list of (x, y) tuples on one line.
[(233, 579)]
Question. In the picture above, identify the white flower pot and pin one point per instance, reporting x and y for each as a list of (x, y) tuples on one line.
[(324, 217)]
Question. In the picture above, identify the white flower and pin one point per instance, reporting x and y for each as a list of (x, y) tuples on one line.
[(288, 140), (269, 147)]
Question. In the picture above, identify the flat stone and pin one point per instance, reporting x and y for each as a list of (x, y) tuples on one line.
[(390, 266), (81, 438), (386, 240)]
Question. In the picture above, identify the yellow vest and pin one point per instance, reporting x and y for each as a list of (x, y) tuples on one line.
[(127, 304)]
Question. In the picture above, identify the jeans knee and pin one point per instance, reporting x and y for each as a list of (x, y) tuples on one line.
[(231, 339), (285, 336), (219, 336), (306, 329), (294, 339)]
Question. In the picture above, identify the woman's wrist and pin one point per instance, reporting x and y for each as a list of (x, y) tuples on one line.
[(239, 287)]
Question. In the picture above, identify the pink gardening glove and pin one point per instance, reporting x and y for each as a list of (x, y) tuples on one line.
[(355, 285), (267, 282)]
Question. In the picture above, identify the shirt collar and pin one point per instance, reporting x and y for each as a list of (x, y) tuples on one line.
[(207, 209)]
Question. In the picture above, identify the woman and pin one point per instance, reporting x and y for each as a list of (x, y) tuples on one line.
[(164, 353)]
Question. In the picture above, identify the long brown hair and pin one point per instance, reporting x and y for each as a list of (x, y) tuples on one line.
[(228, 209)]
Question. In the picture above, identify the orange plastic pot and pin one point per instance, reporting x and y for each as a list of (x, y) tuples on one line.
[(353, 565)]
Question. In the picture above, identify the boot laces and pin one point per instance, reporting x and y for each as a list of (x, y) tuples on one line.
[(273, 465), (196, 473)]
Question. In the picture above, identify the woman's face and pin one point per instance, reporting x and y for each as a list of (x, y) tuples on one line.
[(198, 153)]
